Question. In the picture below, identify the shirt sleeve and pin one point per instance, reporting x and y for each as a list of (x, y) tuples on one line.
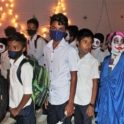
[(7, 63), (27, 77), (40, 47), (95, 70), (72, 59)]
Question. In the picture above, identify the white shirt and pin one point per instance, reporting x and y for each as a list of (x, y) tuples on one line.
[(36, 53), (87, 71), (95, 53), (102, 55), (73, 44), (59, 62), (5, 64), (17, 90)]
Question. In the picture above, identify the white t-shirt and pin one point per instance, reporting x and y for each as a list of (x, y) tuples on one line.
[(59, 62), (73, 44), (5, 64), (87, 71), (17, 90), (36, 53)]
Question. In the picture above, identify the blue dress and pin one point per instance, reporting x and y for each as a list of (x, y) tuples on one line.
[(110, 101)]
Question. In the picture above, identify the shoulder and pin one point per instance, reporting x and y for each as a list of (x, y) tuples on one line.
[(92, 60), (27, 66)]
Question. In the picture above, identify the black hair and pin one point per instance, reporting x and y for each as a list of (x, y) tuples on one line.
[(84, 33), (18, 37), (73, 30), (3, 41), (99, 36), (61, 18), (34, 21), (9, 30)]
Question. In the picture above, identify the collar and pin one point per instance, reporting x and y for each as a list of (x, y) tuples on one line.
[(62, 43), (34, 37), (18, 61), (86, 56)]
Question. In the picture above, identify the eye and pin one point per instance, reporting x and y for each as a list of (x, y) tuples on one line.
[(116, 41), (122, 41)]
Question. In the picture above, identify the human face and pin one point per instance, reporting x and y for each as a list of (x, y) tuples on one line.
[(31, 29), (15, 46), (85, 44), (57, 31), (56, 26), (118, 44), (96, 43)]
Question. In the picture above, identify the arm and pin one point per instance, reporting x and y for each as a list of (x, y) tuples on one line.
[(90, 109), (70, 106), (40, 47), (72, 59)]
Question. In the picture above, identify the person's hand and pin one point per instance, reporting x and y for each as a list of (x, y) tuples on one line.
[(69, 109), (14, 111), (90, 111), (46, 104)]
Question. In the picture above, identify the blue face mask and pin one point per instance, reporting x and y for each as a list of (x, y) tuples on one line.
[(57, 35), (14, 55)]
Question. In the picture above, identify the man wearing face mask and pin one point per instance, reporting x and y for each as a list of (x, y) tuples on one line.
[(110, 102), (60, 60), (35, 43)]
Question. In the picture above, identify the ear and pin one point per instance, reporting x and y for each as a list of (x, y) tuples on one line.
[(109, 44), (24, 49), (77, 43)]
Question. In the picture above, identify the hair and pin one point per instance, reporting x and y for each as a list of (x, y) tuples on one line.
[(62, 19), (84, 33), (9, 30), (3, 41), (34, 21), (18, 37), (99, 36), (73, 30)]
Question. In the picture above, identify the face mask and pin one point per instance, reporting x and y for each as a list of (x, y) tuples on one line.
[(80, 51), (2, 48), (67, 38), (14, 55), (117, 45), (31, 32), (57, 35), (96, 43)]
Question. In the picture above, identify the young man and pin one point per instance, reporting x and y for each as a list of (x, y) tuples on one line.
[(21, 105), (72, 31), (61, 62), (110, 102), (87, 84), (35, 43)]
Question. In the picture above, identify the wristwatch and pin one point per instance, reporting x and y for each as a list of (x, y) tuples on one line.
[(92, 105)]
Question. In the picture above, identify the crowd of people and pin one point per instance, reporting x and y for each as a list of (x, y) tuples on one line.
[(85, 79)]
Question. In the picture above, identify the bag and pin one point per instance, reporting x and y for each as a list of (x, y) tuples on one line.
[(40, 83), (35, 42), (4, 96)]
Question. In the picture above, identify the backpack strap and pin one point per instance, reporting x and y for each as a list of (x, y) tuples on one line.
[(19, 70), (35, 42)]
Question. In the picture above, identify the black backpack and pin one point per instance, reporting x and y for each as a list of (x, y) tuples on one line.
[(4, 96)]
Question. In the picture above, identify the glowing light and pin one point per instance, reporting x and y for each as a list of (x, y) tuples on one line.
[(1, 8), (0, 24), (12, 5), (3, 0), (16, 16), (7, 4), (16, 25)]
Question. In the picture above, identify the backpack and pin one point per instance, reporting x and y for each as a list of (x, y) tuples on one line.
[(35, 42), (4, 96), (40, 83)]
